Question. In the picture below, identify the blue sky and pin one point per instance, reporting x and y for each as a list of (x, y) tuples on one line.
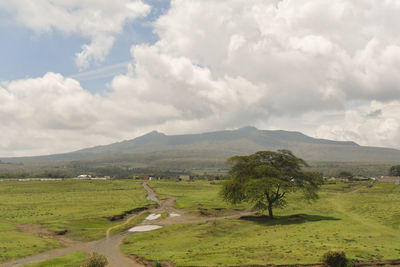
[(27, 54)]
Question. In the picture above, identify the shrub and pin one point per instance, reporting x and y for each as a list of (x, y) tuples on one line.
[(334, 259), (96, 260), (157, 264)]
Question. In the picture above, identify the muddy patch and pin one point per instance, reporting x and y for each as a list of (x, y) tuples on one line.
[(39, 230), (125, 213), (150, 263)]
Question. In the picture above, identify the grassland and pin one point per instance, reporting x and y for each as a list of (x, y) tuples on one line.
[(199, 197), (71, 260), (362, 221), (32, 212)]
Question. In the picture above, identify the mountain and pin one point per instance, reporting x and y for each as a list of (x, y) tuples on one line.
[(157, 148)]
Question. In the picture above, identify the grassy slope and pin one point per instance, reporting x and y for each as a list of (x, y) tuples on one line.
[(364, 223), (81, 207), (70, 260)]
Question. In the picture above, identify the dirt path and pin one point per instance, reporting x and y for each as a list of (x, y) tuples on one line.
[(109, 246), (361, 188)]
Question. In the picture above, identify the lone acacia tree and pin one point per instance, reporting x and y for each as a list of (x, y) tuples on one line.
[(265, 178)]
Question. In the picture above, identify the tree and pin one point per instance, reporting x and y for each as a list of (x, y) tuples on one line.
[(265, 178), (394, 170)]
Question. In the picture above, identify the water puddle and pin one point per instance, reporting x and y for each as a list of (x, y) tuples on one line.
[(144, 228), (153, 217)]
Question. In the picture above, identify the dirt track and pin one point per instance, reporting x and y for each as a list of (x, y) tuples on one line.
[(109, 246)]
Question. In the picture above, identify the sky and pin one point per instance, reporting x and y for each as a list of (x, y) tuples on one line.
[(80, 73)]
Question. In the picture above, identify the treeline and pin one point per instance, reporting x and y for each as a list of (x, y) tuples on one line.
[(76, 168), (46, 174)]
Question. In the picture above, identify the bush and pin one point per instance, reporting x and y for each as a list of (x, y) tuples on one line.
[(96, 260), (334, 259), (157, 264)]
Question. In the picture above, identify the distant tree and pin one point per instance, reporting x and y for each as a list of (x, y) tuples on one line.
[(394, 170), (265, 178), (345, 174)]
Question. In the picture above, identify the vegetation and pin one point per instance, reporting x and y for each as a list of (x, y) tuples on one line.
[(16, 244), (345, 174), (69, 207), (265, 178), (71, 260), (201, 197), (334, 258), (394, 170), (352, 217), (96, 260)]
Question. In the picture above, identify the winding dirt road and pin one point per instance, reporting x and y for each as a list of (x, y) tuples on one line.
[(109, 246)]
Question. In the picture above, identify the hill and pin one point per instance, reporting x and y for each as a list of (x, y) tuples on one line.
[(157, 148)]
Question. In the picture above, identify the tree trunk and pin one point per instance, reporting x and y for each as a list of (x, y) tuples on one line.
[(271, 216)]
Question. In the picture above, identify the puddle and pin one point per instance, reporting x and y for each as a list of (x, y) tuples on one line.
[(174, 215), (144, 228), (153, 217)]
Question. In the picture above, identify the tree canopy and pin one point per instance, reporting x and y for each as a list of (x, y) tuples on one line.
[(394, 170), (265, 178)]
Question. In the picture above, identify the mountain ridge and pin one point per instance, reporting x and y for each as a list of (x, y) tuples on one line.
[(219, 145)]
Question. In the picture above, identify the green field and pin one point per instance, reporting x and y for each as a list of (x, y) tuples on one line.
[(198, 197), (82, 208), (71, 260), (365, 223)]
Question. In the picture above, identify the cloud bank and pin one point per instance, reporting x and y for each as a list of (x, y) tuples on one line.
[(328, 68)]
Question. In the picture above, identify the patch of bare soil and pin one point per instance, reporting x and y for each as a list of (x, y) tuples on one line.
[(378, 263), (39, 230), (126, 213), (149, 263)]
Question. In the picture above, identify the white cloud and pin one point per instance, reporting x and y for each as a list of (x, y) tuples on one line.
[(328, 68), (98, 20), (374, 123)]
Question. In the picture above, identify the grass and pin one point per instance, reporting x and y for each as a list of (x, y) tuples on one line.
[(14, 244), (196, 196), (71, 260), (164, 215), (80, 207), (364, 223)]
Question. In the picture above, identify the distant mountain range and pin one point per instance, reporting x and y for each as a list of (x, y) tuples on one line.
[(157, 148)]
